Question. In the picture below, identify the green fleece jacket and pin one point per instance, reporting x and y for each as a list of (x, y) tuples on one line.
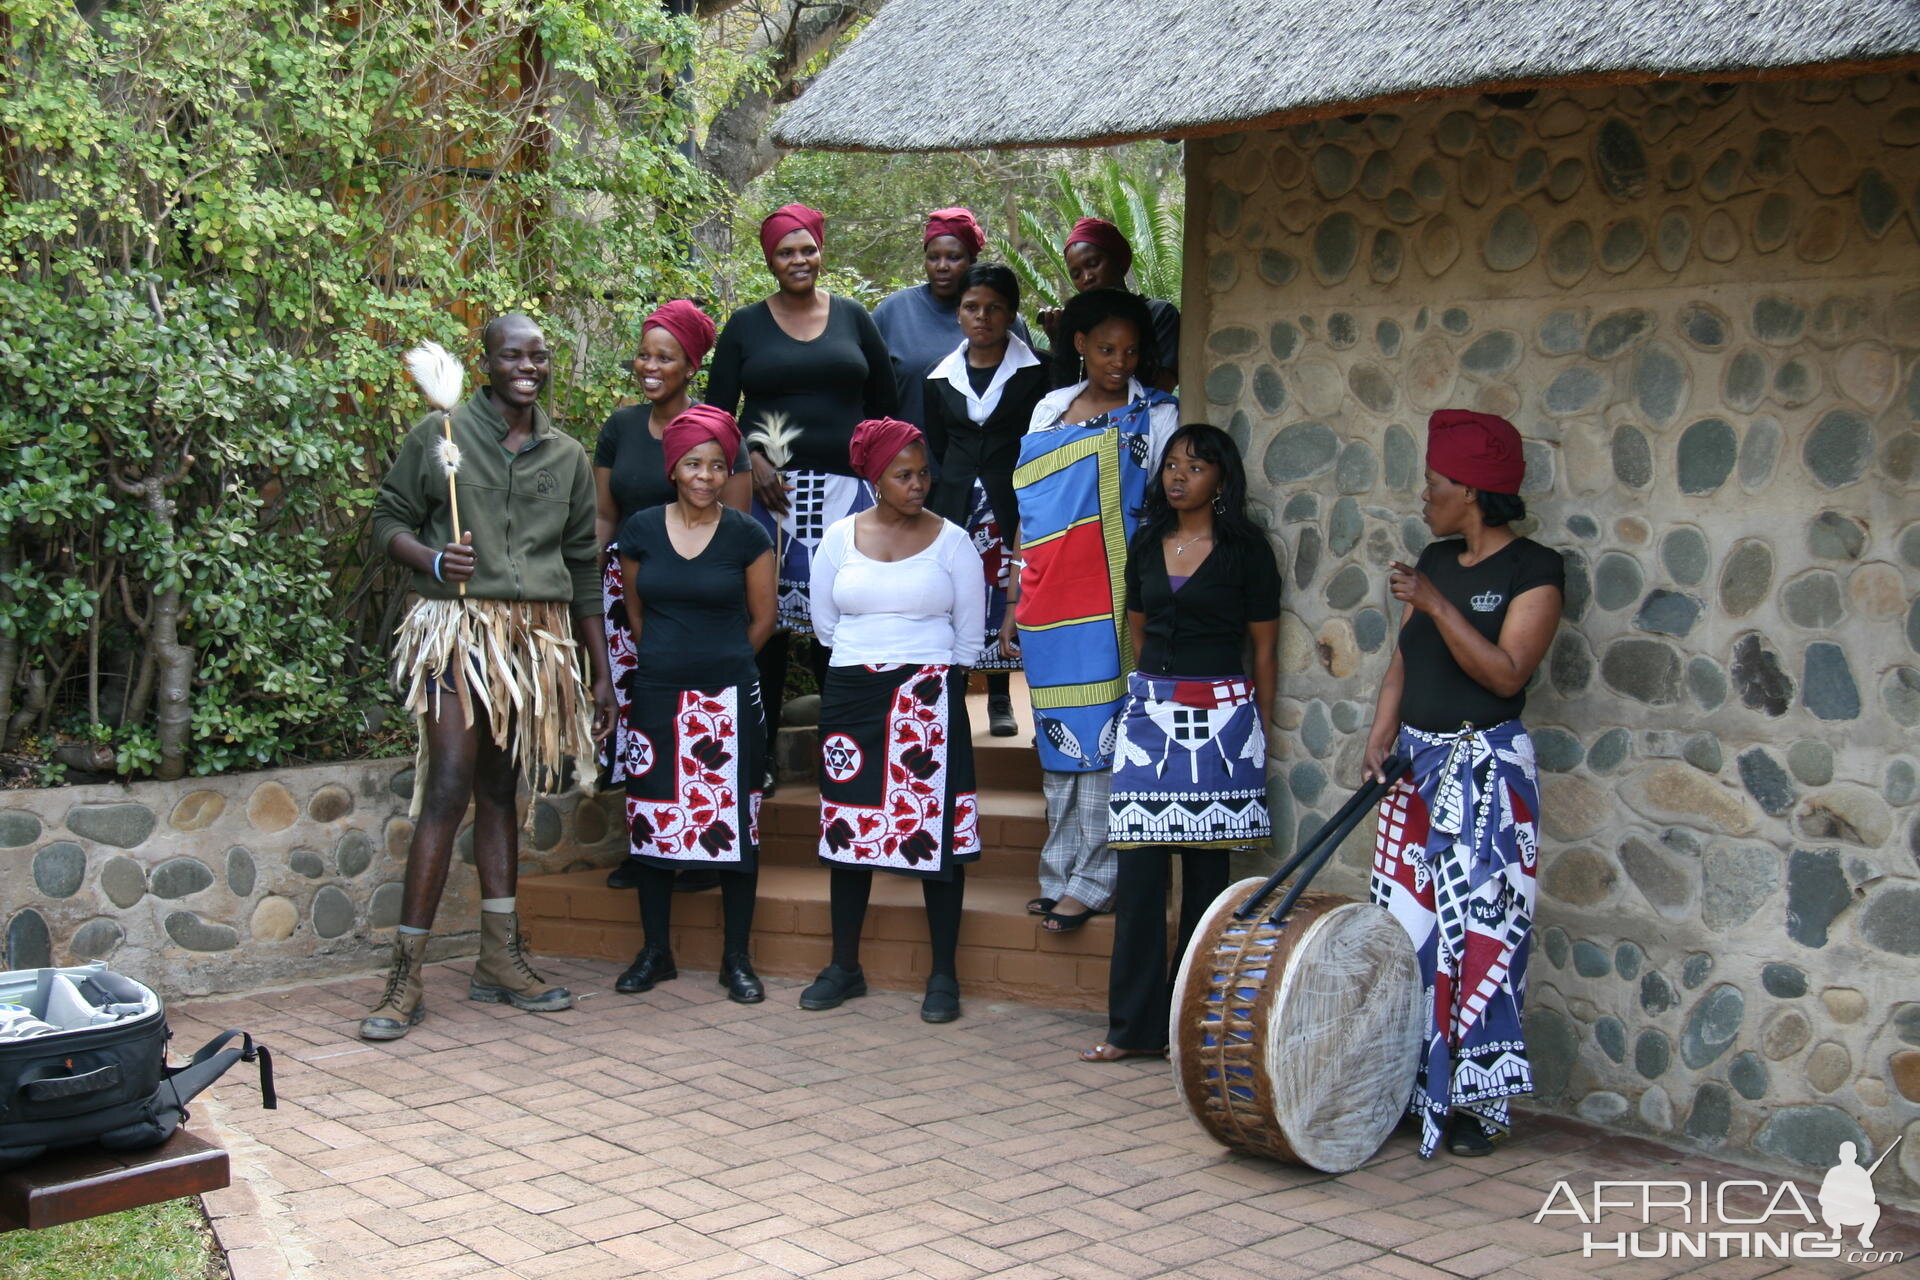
[(530, 513)]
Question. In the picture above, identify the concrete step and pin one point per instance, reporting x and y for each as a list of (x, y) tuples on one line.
[(1004, 954)]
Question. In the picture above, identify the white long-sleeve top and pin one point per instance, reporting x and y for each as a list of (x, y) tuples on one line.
[(930, 607)]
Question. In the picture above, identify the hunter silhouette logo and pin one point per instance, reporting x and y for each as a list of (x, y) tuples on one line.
[(1719, 1221), (1846, 1194)]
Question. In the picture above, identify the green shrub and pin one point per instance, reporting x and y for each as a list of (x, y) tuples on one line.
[(225, 218)]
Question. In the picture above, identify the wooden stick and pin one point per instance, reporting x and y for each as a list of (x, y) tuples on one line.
[(453, 489)]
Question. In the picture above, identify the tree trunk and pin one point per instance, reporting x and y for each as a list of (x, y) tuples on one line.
[(172, 661), (9, 646), (794, 32)]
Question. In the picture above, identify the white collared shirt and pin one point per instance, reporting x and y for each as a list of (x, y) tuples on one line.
[(1162, 419), (980, 406)]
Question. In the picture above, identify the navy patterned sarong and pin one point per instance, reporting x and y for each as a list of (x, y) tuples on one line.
[(1455, 862)]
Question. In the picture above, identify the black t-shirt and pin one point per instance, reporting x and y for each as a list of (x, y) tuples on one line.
[(1438, 696), (1166, 333), (1201, 629), (693, 613), (981, 378), (629, 450), (825, 386)]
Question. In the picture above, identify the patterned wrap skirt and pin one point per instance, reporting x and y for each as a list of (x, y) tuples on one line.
[(1190, 765), (991, 543), (622, 661), (896, 770), (1455, 862), (694, 764), (818, 498)]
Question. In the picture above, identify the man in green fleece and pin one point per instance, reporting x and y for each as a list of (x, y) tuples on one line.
[(488, 640)]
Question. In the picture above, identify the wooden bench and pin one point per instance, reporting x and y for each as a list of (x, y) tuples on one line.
[(86, 1183)]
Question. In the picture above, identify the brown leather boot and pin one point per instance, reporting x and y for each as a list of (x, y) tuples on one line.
[(404, 1002), (503, 975)]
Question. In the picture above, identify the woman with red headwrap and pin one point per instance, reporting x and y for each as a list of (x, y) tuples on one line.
[(803, 367), (921, 323), (698, 582), (630, 474), (898, 594), (1099, 257), (1459, 833)]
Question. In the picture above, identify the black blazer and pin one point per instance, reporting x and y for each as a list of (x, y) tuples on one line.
[(968, 450)]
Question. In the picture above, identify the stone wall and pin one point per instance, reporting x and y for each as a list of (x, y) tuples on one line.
[(1698, 304), (213, 885)]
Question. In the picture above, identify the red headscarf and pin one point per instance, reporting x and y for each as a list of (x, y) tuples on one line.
[(1478, 450), (1104, 236), (877, 442), (786, 220), (693, 427), (689, 326), (961, 225)]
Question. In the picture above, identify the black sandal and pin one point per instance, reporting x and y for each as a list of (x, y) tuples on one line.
[(1061, 922), (1040, 906)]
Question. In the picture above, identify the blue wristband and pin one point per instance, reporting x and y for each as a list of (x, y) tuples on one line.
[(438, 556)]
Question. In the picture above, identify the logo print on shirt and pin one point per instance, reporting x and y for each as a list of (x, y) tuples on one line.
[(1487, 601)]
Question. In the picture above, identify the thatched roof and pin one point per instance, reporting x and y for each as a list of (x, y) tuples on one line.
[(934, 75)]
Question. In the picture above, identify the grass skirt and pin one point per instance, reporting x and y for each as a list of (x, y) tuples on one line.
[(518, 662)]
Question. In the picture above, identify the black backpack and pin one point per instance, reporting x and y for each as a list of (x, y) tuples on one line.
[(100, 1075)]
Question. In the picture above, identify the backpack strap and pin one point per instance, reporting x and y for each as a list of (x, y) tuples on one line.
[(211, 1061)]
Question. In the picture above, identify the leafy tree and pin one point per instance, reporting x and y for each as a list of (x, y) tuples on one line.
[(1133, 198), (224, 218)]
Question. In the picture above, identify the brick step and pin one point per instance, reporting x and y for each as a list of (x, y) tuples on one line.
[(1004, 954), (1013, 826)]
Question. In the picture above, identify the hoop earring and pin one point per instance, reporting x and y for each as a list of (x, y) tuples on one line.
[(1219, 505)]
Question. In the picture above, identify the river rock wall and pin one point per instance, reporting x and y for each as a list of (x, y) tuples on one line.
[(1700, 303), (213, 885)]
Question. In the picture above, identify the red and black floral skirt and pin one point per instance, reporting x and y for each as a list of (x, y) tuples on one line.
[(896, 770), (694, 761)]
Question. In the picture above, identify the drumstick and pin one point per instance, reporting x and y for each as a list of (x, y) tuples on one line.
[(1344, 820)]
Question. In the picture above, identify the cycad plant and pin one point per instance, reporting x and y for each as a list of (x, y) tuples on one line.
[(1132, 201)]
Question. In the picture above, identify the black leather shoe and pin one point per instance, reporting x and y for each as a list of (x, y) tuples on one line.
[(833, 988), (742, 983), (696, 880), (1000, 721), (942, 1001), (626, 875), (653, 965)]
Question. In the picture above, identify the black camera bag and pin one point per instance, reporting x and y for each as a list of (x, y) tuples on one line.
[(107, 1084)]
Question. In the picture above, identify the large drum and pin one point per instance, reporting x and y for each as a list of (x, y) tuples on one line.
[(1298, 1042)]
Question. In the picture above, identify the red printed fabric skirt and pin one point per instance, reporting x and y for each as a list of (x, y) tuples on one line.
[(620, 657), (896, 770), (694, 761)]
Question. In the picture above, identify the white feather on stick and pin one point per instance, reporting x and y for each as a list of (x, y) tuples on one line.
[(775, 436), (438, 373), (441, 380)]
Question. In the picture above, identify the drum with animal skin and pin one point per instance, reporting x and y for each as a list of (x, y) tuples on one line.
[(1298, 1041)]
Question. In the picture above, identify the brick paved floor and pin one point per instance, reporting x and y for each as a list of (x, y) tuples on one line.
[(680, 1136)]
